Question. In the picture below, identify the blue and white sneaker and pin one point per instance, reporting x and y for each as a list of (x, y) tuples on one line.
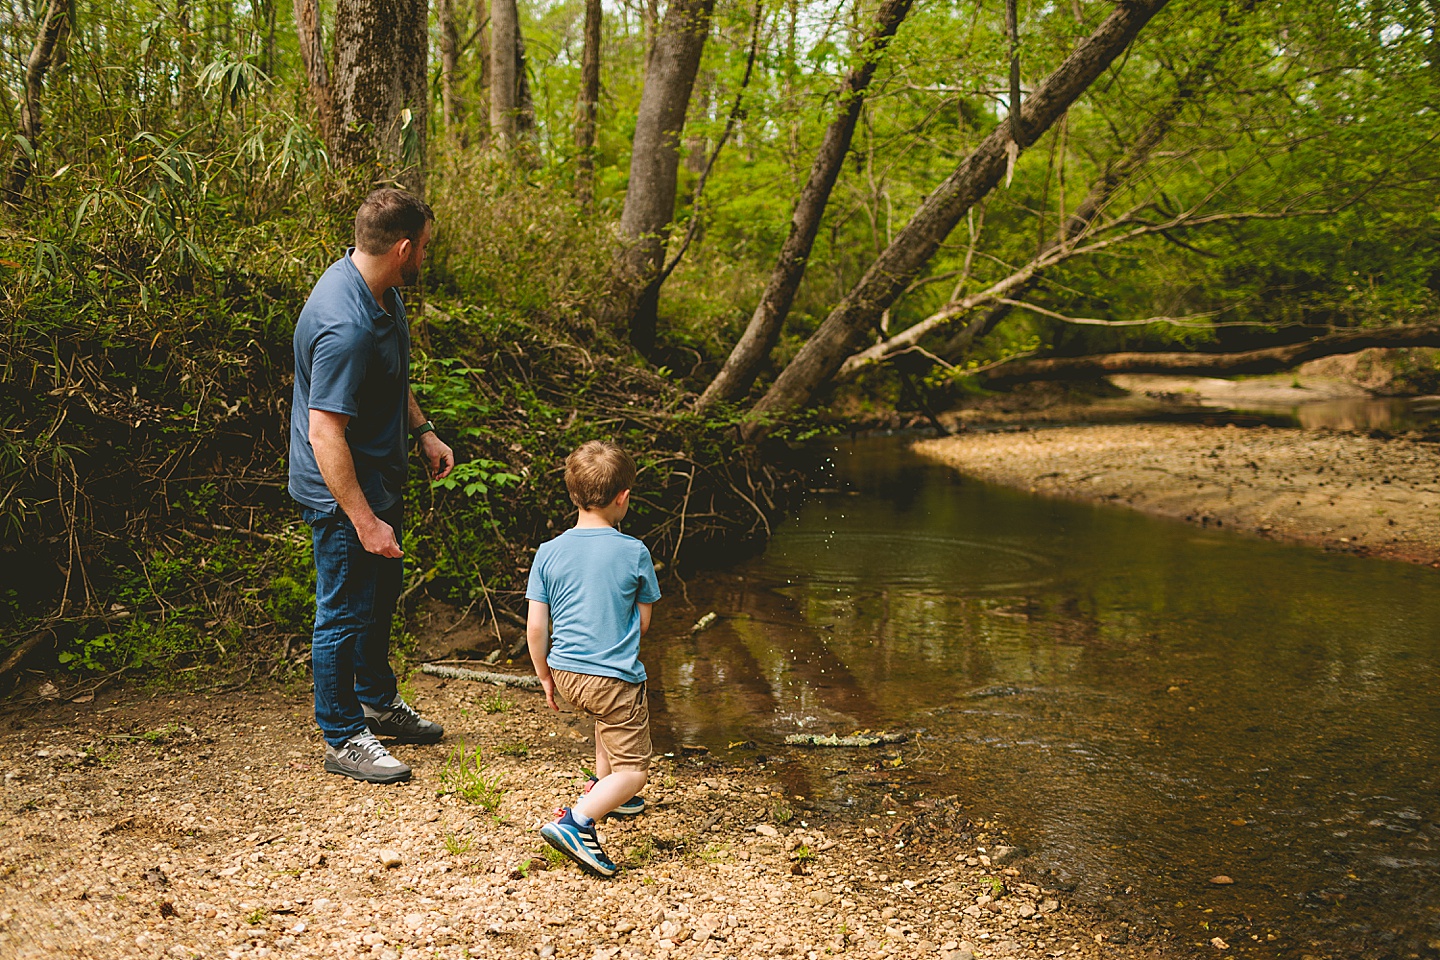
[(581, 844), (635, 805)]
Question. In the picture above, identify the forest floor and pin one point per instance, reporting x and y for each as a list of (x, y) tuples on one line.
[(201, 825), (1346, 492)]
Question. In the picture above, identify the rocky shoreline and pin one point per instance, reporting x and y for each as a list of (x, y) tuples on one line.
[(202, 826), (1344, 492)]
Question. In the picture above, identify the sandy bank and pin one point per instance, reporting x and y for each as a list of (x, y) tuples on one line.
[(1338, 491), (202, 826)]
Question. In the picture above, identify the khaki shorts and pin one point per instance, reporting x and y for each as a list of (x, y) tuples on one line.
[(620, 711)]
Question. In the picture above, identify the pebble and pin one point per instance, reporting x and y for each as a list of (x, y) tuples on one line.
[(1221, 880), (389, 859), (821, 897), (765, 830)]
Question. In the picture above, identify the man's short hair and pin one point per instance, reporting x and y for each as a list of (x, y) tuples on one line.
[(388, 216), (596, 473)]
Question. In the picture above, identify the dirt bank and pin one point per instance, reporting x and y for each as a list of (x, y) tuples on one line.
[(1339, 491), (202, 826)]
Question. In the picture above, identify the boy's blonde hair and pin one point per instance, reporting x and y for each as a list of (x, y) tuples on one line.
[(596, 473)]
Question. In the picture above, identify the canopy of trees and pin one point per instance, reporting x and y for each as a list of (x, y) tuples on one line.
[(768, 199)]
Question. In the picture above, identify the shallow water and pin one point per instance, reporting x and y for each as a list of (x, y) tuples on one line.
[(1143, 705)]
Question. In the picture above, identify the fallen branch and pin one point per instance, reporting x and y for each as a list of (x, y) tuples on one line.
[(480, 676), (854, 740), (1268, 360)]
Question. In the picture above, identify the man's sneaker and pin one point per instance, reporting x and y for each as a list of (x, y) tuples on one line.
[(581, 844), (362, 758), (629, 808), (401, 722)]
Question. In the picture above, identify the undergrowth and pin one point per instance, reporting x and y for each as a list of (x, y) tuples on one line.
[(145, 378)]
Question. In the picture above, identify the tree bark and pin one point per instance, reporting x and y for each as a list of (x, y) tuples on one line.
[(312, 54), (1268, 360), (754, 346), (504, 85), (450, 107), (912, 248), (655, 160), (589, 107), (379, 90), (50, 39), (1116, 172)]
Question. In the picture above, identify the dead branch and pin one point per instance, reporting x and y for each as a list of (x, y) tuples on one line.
[(1268, 360)]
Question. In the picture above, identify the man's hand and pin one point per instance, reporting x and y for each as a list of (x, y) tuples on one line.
[(378, 537), (439, 458), (547, 683)]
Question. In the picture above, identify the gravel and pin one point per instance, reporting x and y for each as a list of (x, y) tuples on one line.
[(203, 826)]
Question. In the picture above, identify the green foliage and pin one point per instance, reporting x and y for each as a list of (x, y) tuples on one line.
[(464, 776), (496, 703), (457, 845)]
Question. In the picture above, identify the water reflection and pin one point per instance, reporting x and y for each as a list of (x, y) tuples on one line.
[(1145, 704)]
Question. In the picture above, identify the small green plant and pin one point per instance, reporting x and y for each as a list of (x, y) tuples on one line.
[(160, 734), (781, 812), (997, 887), (715, 852), (552, 856), (456, 846), (257, 916), (496, 703), (802, 854), (516, 749), (464, 776), (643, 851)]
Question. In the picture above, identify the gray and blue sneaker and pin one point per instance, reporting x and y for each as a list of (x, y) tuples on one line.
[(632, 807), (581, 844), (363, 758), (400, 722)]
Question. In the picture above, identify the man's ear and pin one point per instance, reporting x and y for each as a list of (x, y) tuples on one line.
[(402, 248)]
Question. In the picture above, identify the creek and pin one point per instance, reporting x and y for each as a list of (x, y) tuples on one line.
[(1144, 706)]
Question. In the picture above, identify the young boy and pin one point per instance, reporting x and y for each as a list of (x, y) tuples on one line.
[(596, 586)]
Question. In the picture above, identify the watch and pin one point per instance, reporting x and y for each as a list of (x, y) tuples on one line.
[(427, 427)]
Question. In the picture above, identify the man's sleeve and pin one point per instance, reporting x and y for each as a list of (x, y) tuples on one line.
[(337, 368), (535, 588), (649, 585)]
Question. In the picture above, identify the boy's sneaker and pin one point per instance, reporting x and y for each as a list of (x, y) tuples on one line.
[(581, 844), (363, 758), (401, 722), (629, 808)]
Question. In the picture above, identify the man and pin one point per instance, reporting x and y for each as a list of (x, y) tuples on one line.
[(351, 414)]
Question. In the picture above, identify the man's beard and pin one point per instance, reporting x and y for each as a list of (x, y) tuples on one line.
[(410, 273)]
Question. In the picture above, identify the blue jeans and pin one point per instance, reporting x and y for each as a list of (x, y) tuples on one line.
[(355, 596)]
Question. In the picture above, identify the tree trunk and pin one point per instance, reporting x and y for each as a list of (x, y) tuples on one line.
[(312, 54), (764, 327), (449, 66), (1268, 360), (524, 102), (655, 160), (50, 38), (1116, 172), (912, 248), (381, 96), (589, 107), (504, 82)]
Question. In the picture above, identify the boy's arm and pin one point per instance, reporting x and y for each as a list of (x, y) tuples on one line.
[(645, 610), (537, 633)]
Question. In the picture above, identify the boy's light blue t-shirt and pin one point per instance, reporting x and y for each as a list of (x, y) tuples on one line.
[(592, 578)]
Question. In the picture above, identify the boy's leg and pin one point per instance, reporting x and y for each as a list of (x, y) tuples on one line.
[(622, 742), (610, 792), (602, 757)]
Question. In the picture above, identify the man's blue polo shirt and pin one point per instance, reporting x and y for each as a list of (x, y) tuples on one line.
[(351, 357)]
